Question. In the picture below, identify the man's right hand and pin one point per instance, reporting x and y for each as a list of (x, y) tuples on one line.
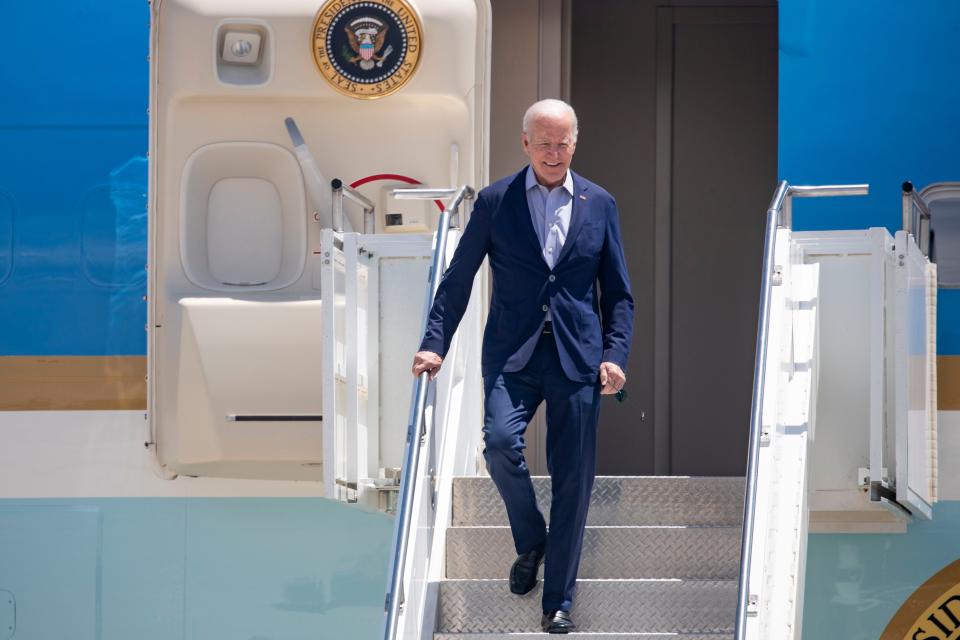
[(427, 361)]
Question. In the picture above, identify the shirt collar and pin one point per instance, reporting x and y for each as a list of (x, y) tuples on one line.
[(532, 181)]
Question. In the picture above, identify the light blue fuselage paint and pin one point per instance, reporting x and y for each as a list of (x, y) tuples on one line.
[(184, 569)]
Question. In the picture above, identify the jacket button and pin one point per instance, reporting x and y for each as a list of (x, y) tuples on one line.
[(552, 278), (546, 308)]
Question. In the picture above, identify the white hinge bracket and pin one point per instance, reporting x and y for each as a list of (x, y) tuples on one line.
[(777, 276), (764, 436), (863, 478)]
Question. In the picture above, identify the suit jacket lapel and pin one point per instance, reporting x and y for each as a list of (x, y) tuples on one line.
[(577, 216), (518, 194)]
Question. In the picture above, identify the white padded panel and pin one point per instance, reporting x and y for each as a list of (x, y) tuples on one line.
[(244, 231), (240, 357), (240, 165)]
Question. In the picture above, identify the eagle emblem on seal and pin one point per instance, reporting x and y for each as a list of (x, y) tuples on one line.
[(367, 36)]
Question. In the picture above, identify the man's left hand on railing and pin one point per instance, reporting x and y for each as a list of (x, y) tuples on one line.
[(427, 361)]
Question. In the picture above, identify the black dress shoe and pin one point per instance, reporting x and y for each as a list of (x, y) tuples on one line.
[(523, 573), (557, 622)]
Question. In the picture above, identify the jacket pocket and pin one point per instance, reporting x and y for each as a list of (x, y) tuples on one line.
[(588, 330)]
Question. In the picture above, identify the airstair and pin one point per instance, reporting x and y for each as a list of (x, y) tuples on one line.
[(689, 557), (660, 560)]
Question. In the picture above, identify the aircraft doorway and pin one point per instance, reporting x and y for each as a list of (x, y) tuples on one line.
[(683, 131), (678, 120)]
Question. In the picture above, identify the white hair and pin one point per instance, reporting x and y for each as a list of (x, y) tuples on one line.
[(550, 107)]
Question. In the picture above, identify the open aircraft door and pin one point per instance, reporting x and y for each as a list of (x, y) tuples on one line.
[(279, 338)]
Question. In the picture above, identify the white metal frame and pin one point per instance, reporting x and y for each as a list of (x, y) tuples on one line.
[(898, 266), (350, 287), (878, 245), (901, 307), (332, 290), (914, 402)]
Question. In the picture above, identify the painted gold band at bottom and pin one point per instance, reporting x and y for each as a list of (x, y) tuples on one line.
[(44, 383), (948, 383)]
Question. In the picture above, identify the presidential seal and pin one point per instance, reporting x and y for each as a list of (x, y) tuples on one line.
[(932, 612), (367, 48)]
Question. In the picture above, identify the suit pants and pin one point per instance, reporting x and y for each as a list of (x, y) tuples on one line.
[(572, 412)]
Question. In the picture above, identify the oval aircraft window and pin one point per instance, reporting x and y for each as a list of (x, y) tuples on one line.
[(113, 235), (6, 236)]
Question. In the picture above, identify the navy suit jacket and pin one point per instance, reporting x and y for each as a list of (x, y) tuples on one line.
[(590, 325)]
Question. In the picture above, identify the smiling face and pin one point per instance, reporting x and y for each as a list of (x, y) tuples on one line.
[(550, 144)]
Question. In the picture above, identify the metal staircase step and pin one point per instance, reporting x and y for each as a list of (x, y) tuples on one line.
[(617, 501), (607, 606), (583, 636), (608, 552)]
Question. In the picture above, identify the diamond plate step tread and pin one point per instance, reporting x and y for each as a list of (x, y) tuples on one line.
[(617, 501), (583, 636), (608, 552), (609, 606)]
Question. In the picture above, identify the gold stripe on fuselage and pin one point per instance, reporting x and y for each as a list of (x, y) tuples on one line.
[(36, 383), (43, 383), (948, 383)]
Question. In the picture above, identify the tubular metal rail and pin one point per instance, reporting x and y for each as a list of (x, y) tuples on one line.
[(779, 215), (340, 191), (416, 427), (916, 217)]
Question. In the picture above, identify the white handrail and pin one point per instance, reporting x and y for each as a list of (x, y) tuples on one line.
[(416, 425)]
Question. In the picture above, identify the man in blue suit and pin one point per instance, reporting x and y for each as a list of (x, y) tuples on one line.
[(552, 335)]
